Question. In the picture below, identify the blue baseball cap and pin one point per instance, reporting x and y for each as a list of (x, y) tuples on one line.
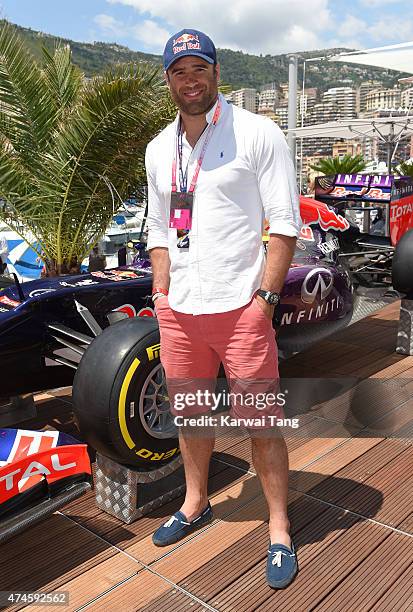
[(189, 42)]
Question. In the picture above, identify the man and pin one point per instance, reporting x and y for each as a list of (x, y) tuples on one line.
[(4, 253), (213, 174)]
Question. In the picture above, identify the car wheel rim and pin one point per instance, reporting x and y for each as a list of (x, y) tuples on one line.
[(154, 410)]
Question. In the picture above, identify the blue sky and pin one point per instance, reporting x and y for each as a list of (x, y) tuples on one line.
[(254, 26)]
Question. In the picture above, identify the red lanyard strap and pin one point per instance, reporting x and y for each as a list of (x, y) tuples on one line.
[(207, 139)]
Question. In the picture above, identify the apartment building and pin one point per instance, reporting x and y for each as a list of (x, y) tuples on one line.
[(267, 100), (407, 99), (383, 99), (344, 98), (362, 91), (245, 98), (347, 147)]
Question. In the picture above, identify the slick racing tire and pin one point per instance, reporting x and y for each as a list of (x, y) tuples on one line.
[(120, 398), (402, 265)]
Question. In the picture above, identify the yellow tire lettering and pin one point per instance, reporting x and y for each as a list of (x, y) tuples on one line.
[(157, 456), (144, 453), (171, 453), (122, 404), (153, 351)]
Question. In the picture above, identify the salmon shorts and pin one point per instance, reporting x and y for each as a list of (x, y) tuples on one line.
[(243, 340)]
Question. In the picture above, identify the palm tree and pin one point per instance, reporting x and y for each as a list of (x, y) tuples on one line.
[(347, 164), (71, 150), (405, 168)]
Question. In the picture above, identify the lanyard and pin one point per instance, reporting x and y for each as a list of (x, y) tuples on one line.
[(178, 146)]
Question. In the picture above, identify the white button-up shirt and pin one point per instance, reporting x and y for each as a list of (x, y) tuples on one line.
[(246, 175)]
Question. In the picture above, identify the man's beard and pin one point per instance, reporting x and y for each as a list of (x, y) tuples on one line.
[(196, 108)]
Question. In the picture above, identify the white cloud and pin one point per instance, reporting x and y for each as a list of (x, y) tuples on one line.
[(376, 3), (260, 26), (351, 26), (151, 34), (384, 30), (108, 24)]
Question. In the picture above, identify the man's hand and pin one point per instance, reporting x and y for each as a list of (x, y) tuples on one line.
[(267, 309)]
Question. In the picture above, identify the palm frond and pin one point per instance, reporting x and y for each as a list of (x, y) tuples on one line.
[(347, 164), (23, 95), (71, 152), (404, 169), (62, 79)]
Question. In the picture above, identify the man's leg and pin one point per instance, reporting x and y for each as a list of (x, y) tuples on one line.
[(196, 452), (248, 350), (190, 365), (270, 458)]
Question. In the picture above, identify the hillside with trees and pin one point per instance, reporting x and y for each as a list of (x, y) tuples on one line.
[(238, 69)]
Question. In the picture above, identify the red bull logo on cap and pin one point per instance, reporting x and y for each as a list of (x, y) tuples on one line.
[(186, 42)]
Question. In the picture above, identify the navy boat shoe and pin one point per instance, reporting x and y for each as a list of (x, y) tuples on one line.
[(178, 526), (282, 565)]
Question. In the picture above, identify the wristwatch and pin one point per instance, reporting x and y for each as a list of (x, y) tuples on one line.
[(271, 298)]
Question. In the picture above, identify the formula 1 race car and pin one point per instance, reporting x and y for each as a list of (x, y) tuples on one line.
[(40, 471), (377, 212), (100, 330)]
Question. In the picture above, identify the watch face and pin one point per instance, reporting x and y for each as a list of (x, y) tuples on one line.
[(273, 299)]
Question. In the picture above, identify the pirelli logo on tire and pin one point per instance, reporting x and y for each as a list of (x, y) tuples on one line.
[(145, 453), (153, 351)]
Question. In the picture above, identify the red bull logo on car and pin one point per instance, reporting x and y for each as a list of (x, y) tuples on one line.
[(314, 212), (186, 42)]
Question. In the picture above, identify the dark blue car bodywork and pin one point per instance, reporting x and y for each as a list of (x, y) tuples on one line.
[(41, 323)]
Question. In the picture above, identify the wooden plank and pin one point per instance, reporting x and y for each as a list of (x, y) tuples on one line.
[(407, 524), (400, 597), (93, 583), (330, 463), (234, 501), (304, 444), (319, 547), (173, 601), (244, 560), (76, 552), (375, 496), (76, 561), (358, 471), (121, 535), (361, 589), (144, 592), (363, 403), (395, 420), (337, 562)]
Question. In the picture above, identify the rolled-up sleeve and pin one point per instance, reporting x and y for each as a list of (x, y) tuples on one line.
[(276, 180), (157, 215)]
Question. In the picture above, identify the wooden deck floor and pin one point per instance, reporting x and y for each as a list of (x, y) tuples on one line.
[(351, 506)]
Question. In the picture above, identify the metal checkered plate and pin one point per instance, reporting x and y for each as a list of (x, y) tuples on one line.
[(365, 305)]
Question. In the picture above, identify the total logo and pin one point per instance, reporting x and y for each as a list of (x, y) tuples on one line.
[(30, 468), (401, 211)]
